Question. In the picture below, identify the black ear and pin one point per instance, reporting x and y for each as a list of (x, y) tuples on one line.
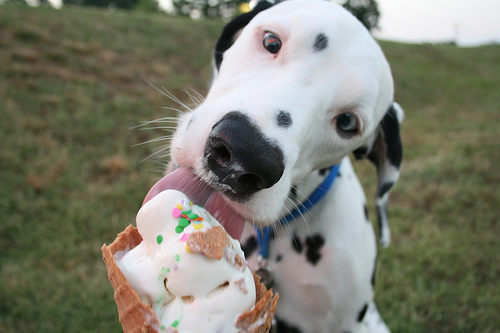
[(232, 29), (385, 150)]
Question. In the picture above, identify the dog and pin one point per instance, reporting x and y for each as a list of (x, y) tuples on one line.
[(297, 87)]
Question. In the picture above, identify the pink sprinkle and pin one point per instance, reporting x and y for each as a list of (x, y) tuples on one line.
[(184, 237), (176, 212)]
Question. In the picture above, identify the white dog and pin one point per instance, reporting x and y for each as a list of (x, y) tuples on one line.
[(297, 87)]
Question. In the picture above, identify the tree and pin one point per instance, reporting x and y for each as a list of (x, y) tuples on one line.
[(365, 11), (208, 8)]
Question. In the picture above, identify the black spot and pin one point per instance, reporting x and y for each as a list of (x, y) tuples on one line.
[(283, 327), (374, 274), (250, 246), (321, 42), (279, 257), (284, 119), (361, 152), (362, 313), (293, 193), (384, 189), (390, 126), (323, 172), (297, 244), (314, 244), (366, 213)]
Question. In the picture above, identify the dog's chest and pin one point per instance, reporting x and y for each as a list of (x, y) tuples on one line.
[(325, 255)]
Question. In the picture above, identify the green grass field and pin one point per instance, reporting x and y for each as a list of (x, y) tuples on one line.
[(73, 88)]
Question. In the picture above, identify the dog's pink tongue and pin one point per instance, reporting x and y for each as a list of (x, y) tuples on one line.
[(201, 194)]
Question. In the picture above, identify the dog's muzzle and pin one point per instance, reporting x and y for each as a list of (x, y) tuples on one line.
[(241, 157)]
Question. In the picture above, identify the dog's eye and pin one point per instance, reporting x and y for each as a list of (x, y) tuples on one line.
[(347, 123), (272, 43)]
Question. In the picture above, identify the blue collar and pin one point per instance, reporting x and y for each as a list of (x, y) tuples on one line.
[(263, 234)]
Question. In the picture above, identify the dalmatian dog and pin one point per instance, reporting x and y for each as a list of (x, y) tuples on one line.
[(297, 87)]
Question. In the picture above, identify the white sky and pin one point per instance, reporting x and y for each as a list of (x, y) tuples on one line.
[(469, 22)]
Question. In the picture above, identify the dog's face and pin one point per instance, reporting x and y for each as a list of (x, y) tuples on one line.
[(302, 86)]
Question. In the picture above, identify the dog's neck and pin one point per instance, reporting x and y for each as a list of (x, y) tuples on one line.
[(301, 191)]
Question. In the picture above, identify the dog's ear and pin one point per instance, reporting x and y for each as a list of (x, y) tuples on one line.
[(232, 30), (385, 150)]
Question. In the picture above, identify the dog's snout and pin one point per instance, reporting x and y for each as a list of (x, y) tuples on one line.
[(239, 154)]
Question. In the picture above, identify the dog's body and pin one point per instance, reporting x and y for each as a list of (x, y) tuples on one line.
[(296, 88)]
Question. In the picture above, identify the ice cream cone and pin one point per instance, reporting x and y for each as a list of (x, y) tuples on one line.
[(137, 316)]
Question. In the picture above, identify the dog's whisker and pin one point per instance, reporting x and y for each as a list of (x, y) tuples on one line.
[(169, 128), (197, 99), (158, 139), (296, 206), (157, 153), (173, 109), (175, 99), (199, 96)]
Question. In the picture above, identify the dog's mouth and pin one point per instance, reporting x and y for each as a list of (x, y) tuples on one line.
[(202, 194)]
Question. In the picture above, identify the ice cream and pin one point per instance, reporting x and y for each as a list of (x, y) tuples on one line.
[(188, 274)]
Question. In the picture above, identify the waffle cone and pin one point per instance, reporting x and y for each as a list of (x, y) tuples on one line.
[(137, 316)]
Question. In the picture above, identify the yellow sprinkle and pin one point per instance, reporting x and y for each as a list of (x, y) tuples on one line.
[(187, 248), (180, 206), (198, 226)]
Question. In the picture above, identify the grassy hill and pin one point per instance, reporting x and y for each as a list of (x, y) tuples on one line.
[(73, 88)]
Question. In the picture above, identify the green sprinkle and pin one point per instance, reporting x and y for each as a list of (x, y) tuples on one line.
[(163, 327), (168, 270), (192, 216), (179, 229), (159, 239), (176, 257), (185, 212), (183, 222), (175, 323)]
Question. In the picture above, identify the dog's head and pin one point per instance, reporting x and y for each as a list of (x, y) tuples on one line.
[(296, 87)]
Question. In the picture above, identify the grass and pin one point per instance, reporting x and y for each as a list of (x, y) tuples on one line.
[(72, 88)]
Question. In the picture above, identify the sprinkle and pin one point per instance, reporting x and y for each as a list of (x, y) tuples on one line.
[(187, 248), (162, 272), (163, 327), (176, 212), (198, 226), (175, 323), (183, 222), (185, 236), (179, 229), (159, 239), (192, 216), (180, 206), (176, 257)]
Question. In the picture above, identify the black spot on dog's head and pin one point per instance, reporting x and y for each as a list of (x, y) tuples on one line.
[(314, 244), (284, 119), (321, 42)]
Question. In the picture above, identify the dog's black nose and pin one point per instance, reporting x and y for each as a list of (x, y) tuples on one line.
[(241, 156)]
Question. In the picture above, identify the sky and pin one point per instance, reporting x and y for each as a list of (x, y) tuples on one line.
[(468, 22)]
